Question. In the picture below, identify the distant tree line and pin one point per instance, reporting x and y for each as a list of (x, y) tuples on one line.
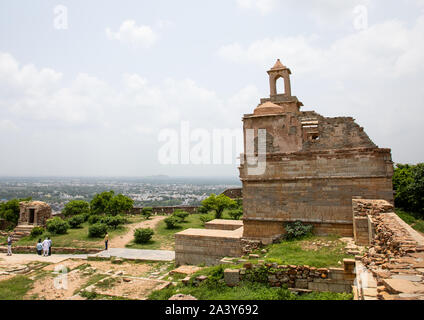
[(408, 184)]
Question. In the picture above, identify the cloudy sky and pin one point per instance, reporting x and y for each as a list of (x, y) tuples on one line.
[(87, 87)]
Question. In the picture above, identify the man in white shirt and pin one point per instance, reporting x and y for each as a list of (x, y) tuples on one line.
[(46, 245)]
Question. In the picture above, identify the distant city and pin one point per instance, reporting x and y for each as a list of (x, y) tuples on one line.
[(145, 191)]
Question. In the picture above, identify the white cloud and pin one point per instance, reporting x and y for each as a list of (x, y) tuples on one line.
[(264, 6), (130, 33)]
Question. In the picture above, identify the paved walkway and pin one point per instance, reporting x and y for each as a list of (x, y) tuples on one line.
[(24, 258), (136, 254)]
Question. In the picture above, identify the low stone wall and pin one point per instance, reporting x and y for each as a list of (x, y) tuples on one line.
[(297, 277), (64, 250), (363, 211), (393, 267), (168, 210), (224, 224), (208, 246)]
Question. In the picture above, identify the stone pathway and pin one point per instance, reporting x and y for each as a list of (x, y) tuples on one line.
[(121, 241), (23, 258), (136, 254)]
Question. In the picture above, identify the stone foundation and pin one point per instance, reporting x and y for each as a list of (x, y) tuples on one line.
[(208, 246), (224, 224)]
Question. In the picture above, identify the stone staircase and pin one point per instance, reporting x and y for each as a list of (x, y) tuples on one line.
[(21, 230)]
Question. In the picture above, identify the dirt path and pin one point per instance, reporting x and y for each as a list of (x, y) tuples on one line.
[(122, 240)]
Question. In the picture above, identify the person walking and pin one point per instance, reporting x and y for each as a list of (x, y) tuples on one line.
[(106, 240), (45, 245), (9, 245), (50, 246), (39, 247)]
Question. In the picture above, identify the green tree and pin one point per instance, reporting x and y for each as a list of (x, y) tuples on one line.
[(76, 207), (101, 201), (107, 203), (236, 213), (408, 183), (119, 204), (9, 211), (217, 204)]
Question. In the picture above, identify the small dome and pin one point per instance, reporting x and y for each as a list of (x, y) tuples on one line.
[(268, 108)]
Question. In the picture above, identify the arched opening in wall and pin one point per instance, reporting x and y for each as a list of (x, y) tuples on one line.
[(281, 89)]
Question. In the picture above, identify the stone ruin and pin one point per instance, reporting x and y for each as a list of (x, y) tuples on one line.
[(32, 213), (321, 171), (313, 166)]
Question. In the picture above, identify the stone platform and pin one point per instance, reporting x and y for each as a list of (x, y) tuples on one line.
[(208, 246), (136, 254)]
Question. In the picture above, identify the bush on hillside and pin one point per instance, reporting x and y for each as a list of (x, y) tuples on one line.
[(57, 225), (36, 232), (171, 222), (180, 214), (94, 219), (97, 230), (143, 235), (76, 221), (297, 230)]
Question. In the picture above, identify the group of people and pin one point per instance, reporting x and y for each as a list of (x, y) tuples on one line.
[(44, 247)]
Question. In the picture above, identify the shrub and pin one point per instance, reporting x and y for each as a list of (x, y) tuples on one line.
[(113, 221), (97, 230), (57, 225), (94, 219), (181, 214), (75, 207), (76, 221), (171, 222), (147, 212), (36, 231), (143, 235), (205, 218), (236, 213), (296, 230), (85, 215)]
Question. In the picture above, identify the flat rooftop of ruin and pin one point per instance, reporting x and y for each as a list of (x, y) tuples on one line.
[(213, 233), (226, 221)]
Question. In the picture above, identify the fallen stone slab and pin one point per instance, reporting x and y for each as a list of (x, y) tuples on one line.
[(403, 286)]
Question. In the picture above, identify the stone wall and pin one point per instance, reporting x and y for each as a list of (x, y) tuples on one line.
[(168, 210), (363, 211), (314, 187), (393, 267), (233, 193), (208, 246), (297, 276)]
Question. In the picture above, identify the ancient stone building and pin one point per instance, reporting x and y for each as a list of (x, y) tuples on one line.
[(34, 213), (311, 167)]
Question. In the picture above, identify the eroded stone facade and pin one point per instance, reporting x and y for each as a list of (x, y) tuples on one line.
[(34, 213), (314, 165)]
